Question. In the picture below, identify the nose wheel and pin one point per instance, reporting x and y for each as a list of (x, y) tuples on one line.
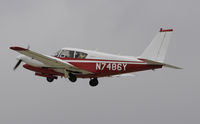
[(94, 82)]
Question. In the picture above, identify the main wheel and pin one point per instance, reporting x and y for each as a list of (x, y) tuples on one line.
[(50, 79), (72, 77), (94, 82)]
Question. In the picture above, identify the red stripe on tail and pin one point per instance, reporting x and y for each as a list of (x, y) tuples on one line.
[(165, 30)]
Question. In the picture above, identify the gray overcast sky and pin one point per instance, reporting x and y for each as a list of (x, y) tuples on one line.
[(165, 96)]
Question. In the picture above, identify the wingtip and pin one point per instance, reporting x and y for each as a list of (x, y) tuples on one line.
[(180, 68), (18, 48)]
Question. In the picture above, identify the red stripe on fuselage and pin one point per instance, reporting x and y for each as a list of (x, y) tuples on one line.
[(130, 68), (101, 71)]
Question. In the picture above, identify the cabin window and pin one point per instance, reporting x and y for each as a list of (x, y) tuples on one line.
[(67, 54), (80, 55)]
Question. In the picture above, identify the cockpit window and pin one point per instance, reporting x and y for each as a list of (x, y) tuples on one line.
[(57, 53), (80, 55), (67, 54), (70, 54)]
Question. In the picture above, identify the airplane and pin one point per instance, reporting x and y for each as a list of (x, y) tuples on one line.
[(73, 63)]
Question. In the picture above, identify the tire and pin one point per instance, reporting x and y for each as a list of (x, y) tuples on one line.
[(93, 82), (50, 79), (72, 77)]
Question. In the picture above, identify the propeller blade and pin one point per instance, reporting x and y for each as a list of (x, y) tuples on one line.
[(18, 63)]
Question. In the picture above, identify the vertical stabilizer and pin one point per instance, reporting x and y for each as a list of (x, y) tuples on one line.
[(157, 49)]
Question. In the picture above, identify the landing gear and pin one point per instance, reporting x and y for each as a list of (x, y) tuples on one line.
[(72, 77), (94, 82), (50, 79)]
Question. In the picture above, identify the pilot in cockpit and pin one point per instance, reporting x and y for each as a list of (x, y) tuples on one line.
[(70, 54), (80, 55)]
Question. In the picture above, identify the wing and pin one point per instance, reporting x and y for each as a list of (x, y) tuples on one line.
[(50, 61)]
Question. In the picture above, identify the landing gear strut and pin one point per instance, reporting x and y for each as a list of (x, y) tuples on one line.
[(94, 82), (72, 77)]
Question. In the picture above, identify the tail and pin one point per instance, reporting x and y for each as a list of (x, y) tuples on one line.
[(156, 51)]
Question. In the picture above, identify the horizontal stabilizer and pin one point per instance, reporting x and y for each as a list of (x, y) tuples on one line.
[(159, 63)]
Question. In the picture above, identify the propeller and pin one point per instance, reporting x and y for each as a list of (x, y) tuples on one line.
[(18, 63), (20, 60)]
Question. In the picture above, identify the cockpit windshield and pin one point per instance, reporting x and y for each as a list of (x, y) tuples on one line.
[(57, 53), (70, 54)]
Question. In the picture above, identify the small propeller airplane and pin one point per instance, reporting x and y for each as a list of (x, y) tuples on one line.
[(75, 63)]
